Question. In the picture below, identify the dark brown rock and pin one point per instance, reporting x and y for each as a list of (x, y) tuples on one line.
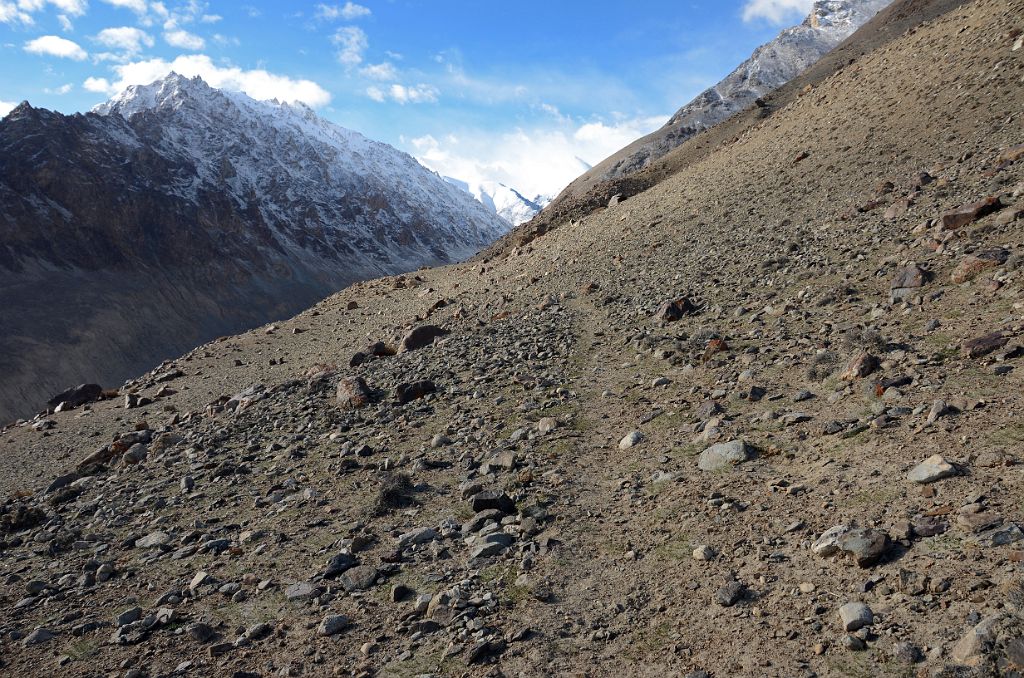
[(979, 346), (406, 393), (672, 311)]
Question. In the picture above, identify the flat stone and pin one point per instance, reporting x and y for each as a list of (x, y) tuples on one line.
[(983, 345), (420, 536), (129, 616), (931, 469), (724, 455), (359, 578), (38, 636), (153, 539), (971, 649), (855, 616), (299, 591)]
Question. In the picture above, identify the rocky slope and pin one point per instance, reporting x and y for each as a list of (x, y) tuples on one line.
[(176, 213), (771, 65), (760, 419)]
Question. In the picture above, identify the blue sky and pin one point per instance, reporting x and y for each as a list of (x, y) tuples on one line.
[(520, 92)]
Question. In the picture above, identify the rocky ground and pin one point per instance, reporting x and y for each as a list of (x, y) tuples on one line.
[(763, 419)]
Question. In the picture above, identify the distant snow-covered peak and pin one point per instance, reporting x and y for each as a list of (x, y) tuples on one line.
[(506, 202)]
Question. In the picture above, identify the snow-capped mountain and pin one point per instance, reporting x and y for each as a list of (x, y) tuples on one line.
[(506, 202), (175, 213), (769, 67)]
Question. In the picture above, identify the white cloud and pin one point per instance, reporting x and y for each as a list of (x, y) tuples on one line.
[(414, 94), (9, 14), (381, 71), (776, 11), (349, 11), (6, 107), (538, 161), (351, 42), (52, 45), (100, 85), (63, 89), (401, 94), (210, 18), (137, 6), (125, 38), (65, 23), (72, 7), (184, 40), (257, 83)]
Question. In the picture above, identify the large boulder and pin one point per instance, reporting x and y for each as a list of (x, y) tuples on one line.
[(77, 396), (353, 393), (421, 337), (724, 455)]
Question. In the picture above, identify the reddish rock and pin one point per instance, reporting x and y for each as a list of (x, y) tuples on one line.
[(971, 266), (967, 214), (1010, 155), (353, 393), (672, 311), (861, 365)]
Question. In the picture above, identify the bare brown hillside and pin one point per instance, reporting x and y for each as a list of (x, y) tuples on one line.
[(761, 419)]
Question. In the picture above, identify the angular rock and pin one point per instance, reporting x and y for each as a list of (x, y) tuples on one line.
[(861, 365), (730, 593), (855, 616), (489, 499), (907, 282), (724, 455), (983, 345), (962, 216), (671, 311), (865, 545), (338, 564), (971, 649), (77, 396), (931, 469)]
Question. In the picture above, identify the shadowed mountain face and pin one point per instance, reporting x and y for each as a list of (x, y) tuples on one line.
[(176, 213)]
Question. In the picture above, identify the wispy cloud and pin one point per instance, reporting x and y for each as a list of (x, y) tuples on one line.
[(137, 6), (52, 45), (127, 38), (381, 71), (352, 43), (184, 40), (349, 12), (402, 94), (776, 11)]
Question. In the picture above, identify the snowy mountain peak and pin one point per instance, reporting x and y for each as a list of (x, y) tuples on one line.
[(505, 201)]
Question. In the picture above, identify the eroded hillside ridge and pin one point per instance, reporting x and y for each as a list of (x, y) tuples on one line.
[(761, 419), (215, 213)]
